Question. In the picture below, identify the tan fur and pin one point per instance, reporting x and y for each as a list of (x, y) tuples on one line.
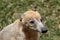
[(31, 14), (17, 31), (12, 32)]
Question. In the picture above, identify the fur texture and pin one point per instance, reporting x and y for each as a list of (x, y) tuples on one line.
[(22, 29)]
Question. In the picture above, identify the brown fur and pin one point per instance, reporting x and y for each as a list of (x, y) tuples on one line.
[(29, 33)]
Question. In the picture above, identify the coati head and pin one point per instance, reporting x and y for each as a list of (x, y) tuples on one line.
[(32, 20)]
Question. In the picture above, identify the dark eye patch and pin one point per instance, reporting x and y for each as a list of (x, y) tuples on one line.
[(32, 22)]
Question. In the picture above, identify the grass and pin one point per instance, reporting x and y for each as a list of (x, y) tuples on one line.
[(49, 10)]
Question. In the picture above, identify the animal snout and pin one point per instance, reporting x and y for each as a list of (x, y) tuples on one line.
[(44, 30)]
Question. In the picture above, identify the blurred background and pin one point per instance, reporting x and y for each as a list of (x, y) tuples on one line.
[(48, 9)]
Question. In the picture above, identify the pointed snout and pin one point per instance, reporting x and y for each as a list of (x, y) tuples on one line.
[(40, 27), (44, 30)]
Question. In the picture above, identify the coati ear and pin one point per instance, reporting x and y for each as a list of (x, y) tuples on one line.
[(18, 16), (33, 7), (21, 18)]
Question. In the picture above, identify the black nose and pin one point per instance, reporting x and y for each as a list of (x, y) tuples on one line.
[(44, 30)]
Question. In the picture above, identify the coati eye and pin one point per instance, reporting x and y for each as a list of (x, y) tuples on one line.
[(32, 22)]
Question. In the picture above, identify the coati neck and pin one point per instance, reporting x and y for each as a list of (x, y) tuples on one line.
[(30, 34)]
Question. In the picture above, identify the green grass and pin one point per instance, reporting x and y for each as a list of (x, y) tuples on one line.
[(49, 10)]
